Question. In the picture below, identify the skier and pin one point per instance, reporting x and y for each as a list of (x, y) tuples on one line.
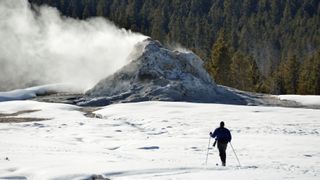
[(223, 136)]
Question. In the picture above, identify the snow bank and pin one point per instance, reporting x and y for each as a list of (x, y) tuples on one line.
[(29, 93), (305, 100), (43, 109)]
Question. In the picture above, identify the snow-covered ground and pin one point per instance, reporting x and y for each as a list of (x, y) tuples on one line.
[(158, 140)]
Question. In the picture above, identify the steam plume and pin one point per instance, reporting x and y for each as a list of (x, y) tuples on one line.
[(44, 47)]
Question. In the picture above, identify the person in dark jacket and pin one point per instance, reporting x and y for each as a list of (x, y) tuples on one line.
[(223, 137)]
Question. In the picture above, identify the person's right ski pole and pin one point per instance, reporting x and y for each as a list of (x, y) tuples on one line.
[(208, 150), (235, 154)]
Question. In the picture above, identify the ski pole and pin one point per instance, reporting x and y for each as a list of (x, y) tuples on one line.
[(208, 150), (235, 154)]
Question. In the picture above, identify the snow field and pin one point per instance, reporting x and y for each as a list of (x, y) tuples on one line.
[(158, 140)]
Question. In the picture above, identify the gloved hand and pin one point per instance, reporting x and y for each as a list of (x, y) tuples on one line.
[(214, 144), (210, 134)]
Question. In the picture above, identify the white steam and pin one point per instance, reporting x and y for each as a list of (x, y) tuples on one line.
[(43, 47), (174, 46)]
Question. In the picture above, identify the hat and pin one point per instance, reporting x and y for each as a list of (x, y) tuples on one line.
[(221, 124)]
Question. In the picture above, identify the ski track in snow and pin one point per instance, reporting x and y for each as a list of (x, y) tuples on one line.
[(158, 140)]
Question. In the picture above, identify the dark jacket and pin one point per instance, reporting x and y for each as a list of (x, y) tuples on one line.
[(222, 135)]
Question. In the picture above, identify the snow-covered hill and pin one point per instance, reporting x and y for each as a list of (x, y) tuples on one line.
[(156, 140)]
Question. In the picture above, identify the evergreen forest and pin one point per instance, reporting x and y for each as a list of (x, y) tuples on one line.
[(268, 46)]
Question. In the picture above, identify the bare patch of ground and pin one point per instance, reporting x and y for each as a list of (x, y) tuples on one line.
[(88, 112), (19, 120), (65, 98), (12, 117), (19, 113)]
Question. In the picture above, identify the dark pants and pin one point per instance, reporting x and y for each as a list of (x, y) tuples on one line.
[(222, 146)]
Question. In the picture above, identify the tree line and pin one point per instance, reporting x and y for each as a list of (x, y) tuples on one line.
[(269, 46), (241, 71)]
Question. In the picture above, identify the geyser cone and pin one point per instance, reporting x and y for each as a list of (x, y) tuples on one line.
[(161, 74)]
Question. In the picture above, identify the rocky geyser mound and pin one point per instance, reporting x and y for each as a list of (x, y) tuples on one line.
[(160, 74)]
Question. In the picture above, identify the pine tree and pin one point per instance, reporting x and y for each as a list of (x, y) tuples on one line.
[(244, 72), (291, 75), (75, 8), (309, 81), (240, 73), (133, 14), (278, 84), (102, 7), (159, 24), (219, 65)]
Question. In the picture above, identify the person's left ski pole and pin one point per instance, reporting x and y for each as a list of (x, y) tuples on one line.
[(208, 150)]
